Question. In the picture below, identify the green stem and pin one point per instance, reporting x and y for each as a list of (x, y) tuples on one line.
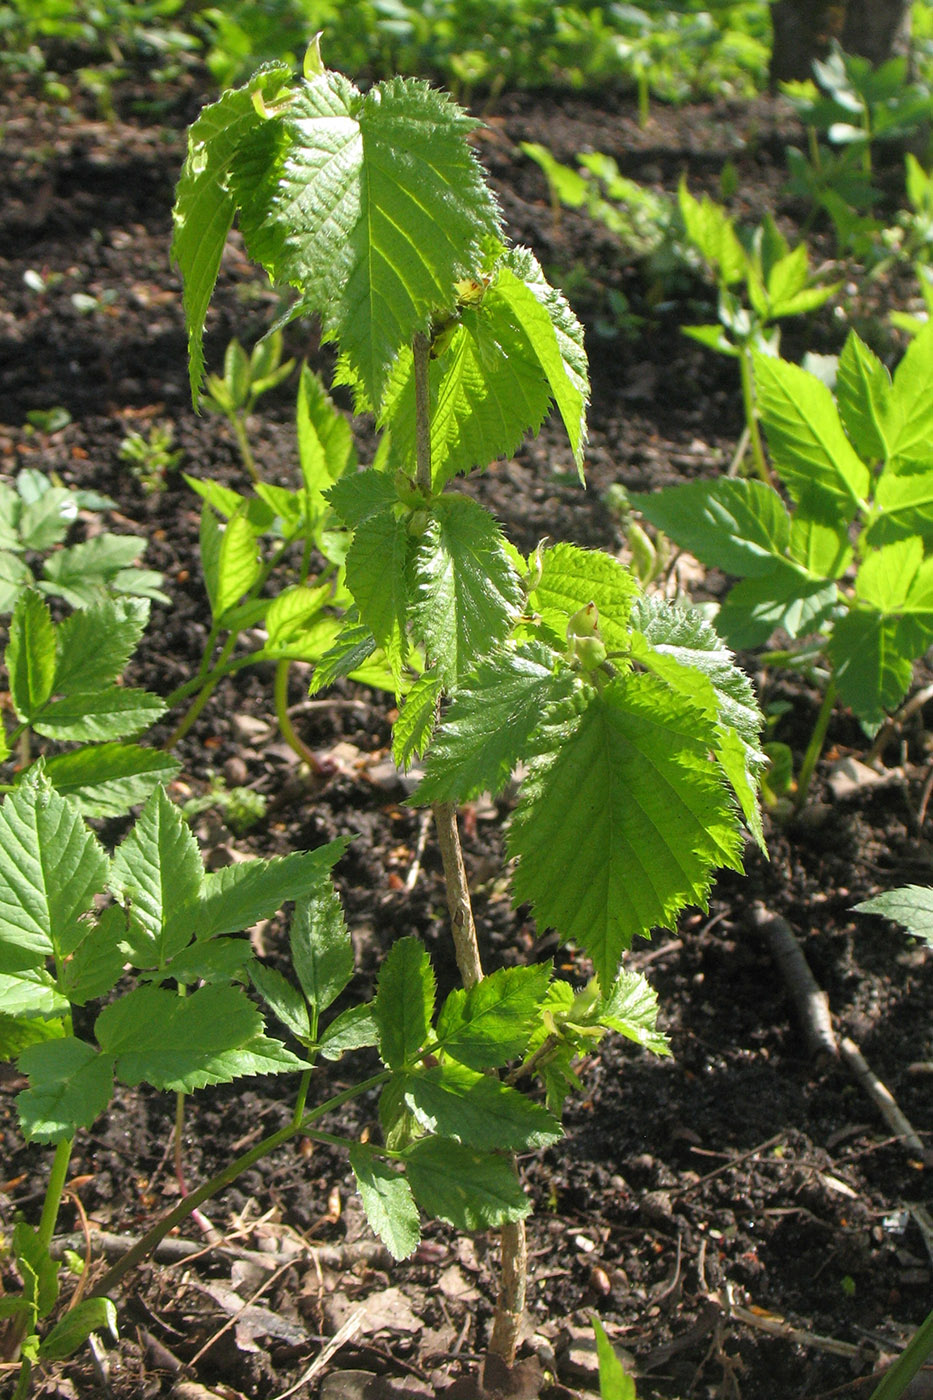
[(815, 746), (53, 1192), (289, 732), (201, 699), (751, 416), (144, 1246), (246, 452)]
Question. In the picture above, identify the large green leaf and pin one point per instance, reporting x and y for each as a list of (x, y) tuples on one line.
[(111, 712), (873, 658), (157, 872), (30, 655), (237, 896), (51, 867), (741, 527), (471, 1190), (69, 1085), (404, 1002), (490, 1022), (622, 819), (490, 719), (109, 779), (465, 592), (572, 578), (387, 1200), (95, 643), (477, 1110), (863, 391), (378, 207), (321, 947), (814, 458), (28, 992)]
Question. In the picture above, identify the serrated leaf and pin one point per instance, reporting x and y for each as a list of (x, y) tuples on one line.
[(237, 896), (96, 965), (204, 206), (108, 779), (157, 872), (465, 592), (412, 731), (326, 450), (321, 947), (486, 728), (350, 216), (94, 644), (631, 1009), (477, 1110), (741, 527), (377, 578), (175, 1042), (352, 648), (73, 1330), (353, 1029), (360, 495), (282, 999), (17, 1034), (46, 520), (238, 565), (571, 578), (261, 1055), (912, 906), (611, 857), (30, 992), (755, 608), (404, 1003), (489, 1023), (111, 712), (863, 392), (471, 1190), (389, 1205), (873, 661), (218, 960), (83, 573), (30, 655), (903, 506), (816, 461), (908, 421), (51, 867), (824, 551), (69, 1085)]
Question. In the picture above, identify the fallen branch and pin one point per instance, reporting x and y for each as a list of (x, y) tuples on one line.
[(174, 1251), (881, 1097), (810, 1001)]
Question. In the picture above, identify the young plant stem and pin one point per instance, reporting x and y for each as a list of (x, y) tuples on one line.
[(242, 442), (751, 416), (513, 1264), (53, 1192), (289, 733), (147, 1243), (815, 746), (203, 695)]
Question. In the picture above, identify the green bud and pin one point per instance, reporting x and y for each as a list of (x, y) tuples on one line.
[(584, 623), (590, 652)]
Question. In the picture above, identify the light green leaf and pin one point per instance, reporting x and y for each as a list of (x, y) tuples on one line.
[(903, 507), (73, 1330), (237, 896), (741, 527), (326, 449), (84, 573), (613, 856), (321, 947), (69, 1085), (238, 565), (614, 1382), (30, 992), (414, 727), (51, 867), (351, 649), (911, 906), (571, 578), (908, 422), (816, 461), (631, 1009), (218, 960), (404, 1003), (477, 1110), (282, 999), (711, 231), (824, 551), (377, 577), (95, 643), (887, 575), (174, 1042), (873, 658), (492, 715), (490, 1023), (261, 1055), (465, 592), (15, 575), (863, 393), (111, 712), (108, 779), (353, 1029), (471, 1190), (226, 502), (30, 655), (39, 1270), (157, 873), (46, 520), (389, 1205)]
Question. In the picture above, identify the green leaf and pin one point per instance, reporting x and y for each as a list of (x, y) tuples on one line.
[(389, 1205), (912, 906), (325, 441), (174, 1042), (711, 231), (755, 608), (614, 1383), (414, 727), (45, 521), (219, 960), (908, 422), (353, 1029), (15, 575), (73, 1330), (741, 527), (888, 575), (572, 578), (283, 1000), (490, 719), (815, 459), (824, 551), (465, 592), (237, 896), (84, 573), (69, 1085), (404, 1003), (360, 495), (30, 992), (490, 1023), (352, 649), (376, 576), (350, 216), (109, 779), (112, 712), (95, 644), (39, 1269), (903, 506), (204, 204), (873, 658), (631, 1009), (610, 856), (477, 1110), (30, 655), (51, 867), (238, 565), (863, 393), (471, 1190), (261, 1055), (96, 965), (157, 873), (321, 947)]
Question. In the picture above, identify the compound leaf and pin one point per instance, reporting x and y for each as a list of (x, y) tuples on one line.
[(404, 1003), (69, 1085), (477, 1110), (490, 1023), (469, 1189), (389, 1205), (321, 947)]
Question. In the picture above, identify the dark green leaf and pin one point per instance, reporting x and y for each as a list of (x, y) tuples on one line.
[(388, 1202), (470, 1190), (321, 947), (69, 1085), (477, 1110), (404, 1003)]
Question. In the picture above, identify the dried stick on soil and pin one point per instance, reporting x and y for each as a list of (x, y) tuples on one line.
[(881, 1097), (810, 1001)]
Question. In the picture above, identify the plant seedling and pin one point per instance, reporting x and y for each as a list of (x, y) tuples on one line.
[(151, 458), (245, 379)]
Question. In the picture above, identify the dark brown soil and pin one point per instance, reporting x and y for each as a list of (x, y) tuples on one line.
[(739, 1171)]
